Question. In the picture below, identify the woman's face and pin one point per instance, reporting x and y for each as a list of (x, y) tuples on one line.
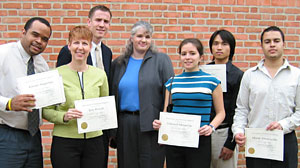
[(141, 41), (80, 49), (190, 57)]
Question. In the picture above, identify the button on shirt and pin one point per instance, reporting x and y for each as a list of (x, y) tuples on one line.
[(263, 99), (13, 64)]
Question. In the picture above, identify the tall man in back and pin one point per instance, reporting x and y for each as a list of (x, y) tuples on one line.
[(223, 146), (100, 55), (269, 98), (20, 137)]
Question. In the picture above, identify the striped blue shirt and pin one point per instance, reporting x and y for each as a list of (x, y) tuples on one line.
[(192, 93)]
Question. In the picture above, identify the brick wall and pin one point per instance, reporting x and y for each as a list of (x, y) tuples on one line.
[(173, 20)]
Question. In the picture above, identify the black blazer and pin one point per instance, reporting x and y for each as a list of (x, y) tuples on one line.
[(65, 57)]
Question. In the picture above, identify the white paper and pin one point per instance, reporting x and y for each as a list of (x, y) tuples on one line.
[(98, 114), (47, 88), (261, 143), (217, 70), (179, 129)]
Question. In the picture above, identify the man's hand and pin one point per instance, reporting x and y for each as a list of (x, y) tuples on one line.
[(274, 125), (22, 102), (240, 139), (226, 153)]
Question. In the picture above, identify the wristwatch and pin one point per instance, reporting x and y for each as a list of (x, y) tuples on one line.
[(212, 127)]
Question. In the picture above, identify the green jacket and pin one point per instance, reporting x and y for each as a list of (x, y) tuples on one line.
[(94, 85)]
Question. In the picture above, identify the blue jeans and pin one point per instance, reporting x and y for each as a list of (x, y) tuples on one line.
[(18, 149)]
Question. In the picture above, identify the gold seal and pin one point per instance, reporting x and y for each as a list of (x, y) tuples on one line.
[(164, 137), (84, 125), (251, 150)]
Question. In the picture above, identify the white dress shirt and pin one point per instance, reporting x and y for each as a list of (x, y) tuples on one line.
[(263, 99), (93, 54), (13, 64)]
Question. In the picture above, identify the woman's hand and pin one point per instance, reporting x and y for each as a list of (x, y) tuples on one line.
[(72, 114), (205, 130), (156, 124)]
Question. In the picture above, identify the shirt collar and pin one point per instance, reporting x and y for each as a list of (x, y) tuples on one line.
[(261, 66), (25, 56), (95, 45)]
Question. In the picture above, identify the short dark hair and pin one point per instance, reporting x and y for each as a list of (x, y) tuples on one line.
[(227, 37), (197, 43), (271, 28), (99, 7), (42, 20)]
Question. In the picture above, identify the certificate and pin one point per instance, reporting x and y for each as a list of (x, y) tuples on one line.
[(261, 143), (98, 114), (47, 88), (179, 129), (217, 70)]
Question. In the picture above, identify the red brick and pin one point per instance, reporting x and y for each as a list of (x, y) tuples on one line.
[(71, 6), (240, 9), (227, 16), (214, 22), (227, 2), (186, 21), (172, 14), (280, 3), (158, 7), (172, 28), (42, 5), (253, 16), (57, 13), (186, 7), (27, 13), (56, 6), (144, 14), (199, 2), (71, 20), (213, 9), (12, 5), (293, 11), (130, 7), (158, 21)]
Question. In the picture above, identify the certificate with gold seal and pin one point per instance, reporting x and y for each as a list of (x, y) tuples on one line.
[(179, 129), (261, 143), (98, 114)]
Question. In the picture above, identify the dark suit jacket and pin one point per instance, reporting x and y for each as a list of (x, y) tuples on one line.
[(65, 57)]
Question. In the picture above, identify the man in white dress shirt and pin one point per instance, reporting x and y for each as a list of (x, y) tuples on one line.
[(19, 146), (269, 97)]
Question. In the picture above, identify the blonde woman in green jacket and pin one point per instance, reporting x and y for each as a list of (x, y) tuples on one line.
[(81, 81)]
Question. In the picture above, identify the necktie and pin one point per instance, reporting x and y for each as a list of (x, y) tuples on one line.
[(34, 116), (99, 58)]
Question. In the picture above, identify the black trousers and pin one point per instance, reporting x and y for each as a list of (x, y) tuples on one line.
[(77, 153), (185, 157), (137, 149), (290, 157), (106, 147)]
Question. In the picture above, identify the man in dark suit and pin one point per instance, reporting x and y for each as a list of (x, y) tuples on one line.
[(100, 55)]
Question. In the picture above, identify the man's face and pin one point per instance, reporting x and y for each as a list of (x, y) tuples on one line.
[(272, 45), (35, 39), (99, 24), (220, 50)]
